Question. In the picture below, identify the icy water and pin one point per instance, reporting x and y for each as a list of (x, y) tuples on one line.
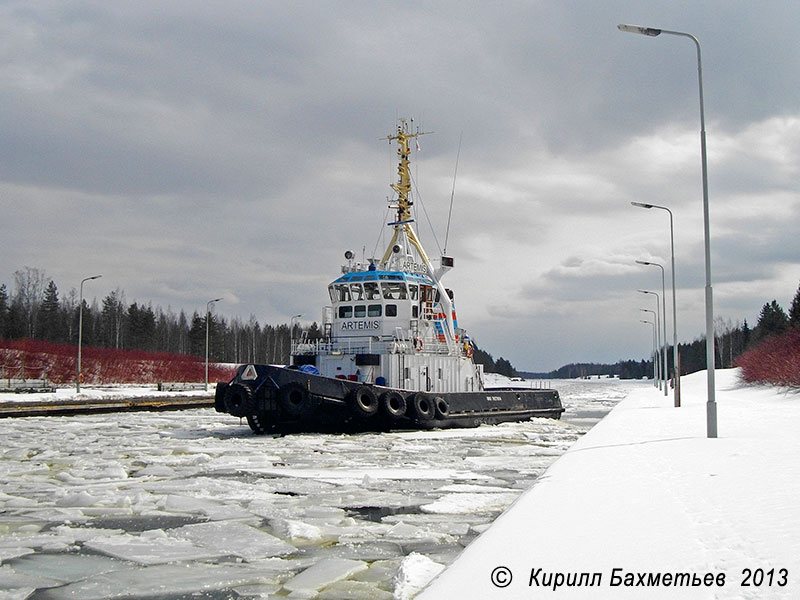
[(192, 505)]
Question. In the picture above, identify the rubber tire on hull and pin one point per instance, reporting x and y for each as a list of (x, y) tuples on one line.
[(393, 404), (258, 423), (294, 400), (424, 409), (441, 407), (363, 402), (238, 399), (219, 396)]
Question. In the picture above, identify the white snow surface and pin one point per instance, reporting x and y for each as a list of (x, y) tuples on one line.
[(646, 492)]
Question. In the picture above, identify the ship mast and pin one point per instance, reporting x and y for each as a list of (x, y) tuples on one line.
[(402, 224)]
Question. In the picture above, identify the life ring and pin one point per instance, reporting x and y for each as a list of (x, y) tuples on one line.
[(418, 344)]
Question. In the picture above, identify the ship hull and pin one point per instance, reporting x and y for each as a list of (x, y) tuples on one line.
[(279, 400)]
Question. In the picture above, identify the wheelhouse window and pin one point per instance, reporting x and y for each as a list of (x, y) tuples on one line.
[(413, 291), (374, 310), (391, 310), (345, 312), (371, 291), (357, 292), (343, 292), (394, 290), (332, 293), (360, 311)]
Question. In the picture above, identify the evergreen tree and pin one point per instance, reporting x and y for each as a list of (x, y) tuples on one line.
[(3, 310), (794, 309), (771, 321), (50, 325), (197, 336)]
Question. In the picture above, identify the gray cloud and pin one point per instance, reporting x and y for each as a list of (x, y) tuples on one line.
[(189, 151)]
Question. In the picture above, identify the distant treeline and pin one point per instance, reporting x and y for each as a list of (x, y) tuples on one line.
[(731, 341), (36, 310)]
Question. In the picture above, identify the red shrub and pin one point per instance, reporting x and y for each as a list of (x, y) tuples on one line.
[(775, 360), (57, 362)]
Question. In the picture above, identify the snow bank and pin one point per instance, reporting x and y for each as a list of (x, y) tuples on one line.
[(646, 492)]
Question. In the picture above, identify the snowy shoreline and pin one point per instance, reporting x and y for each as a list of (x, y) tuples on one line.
[(645, 492)]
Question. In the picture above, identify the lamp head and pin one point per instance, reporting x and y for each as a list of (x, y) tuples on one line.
[(642, 205), (639, 29), (643, 262)]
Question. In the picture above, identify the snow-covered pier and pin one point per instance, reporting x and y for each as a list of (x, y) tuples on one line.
[(645, 506)]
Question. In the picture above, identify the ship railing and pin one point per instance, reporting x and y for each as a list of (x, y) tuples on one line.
[(370, 345)]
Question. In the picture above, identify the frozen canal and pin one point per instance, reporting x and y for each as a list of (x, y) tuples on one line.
[(192, 505)]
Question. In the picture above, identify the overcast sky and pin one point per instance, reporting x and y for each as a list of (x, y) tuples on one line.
[(193, 150)]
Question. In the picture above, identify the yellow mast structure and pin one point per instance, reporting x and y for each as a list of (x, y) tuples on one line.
[(403, 223), (403, 189)]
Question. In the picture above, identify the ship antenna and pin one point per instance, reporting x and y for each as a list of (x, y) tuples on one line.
[(452, 194)]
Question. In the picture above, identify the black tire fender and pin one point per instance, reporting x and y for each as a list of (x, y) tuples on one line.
[(294, 400), (424, 409), (219, 396), (393, 404), (441, 407), (258, 423), (363, 401), (238, 399)]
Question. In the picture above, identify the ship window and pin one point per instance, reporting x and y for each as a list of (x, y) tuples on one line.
[(440, 373), (394, 290), (357, 292), (332, 293), (391, 310), (371, 291), (415, 312), (360, 311), (343, 291), (345, 312), (413, 291), (374, 310)]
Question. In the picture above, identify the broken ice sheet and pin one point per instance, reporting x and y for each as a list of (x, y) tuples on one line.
[(234, 539), (150, 548), (324, 573), (64, 567), (168, 580), (470, 503)]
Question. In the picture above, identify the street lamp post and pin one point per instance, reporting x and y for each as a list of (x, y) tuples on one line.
[(653, 353), (676, 366), (664, 312), (711, 403), (658, 332), (80, 334), (208, 314), (291, 333)]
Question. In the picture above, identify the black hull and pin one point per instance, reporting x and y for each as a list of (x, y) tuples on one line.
[(279, 400)]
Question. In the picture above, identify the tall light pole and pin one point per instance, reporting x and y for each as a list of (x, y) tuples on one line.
[(664, 312), (653, 354), (658, 330), (711, 403), (291, 334), (78, 373), (676, 365), (208, 314)]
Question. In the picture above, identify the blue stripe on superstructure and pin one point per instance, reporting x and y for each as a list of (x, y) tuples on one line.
[(384, 276)]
